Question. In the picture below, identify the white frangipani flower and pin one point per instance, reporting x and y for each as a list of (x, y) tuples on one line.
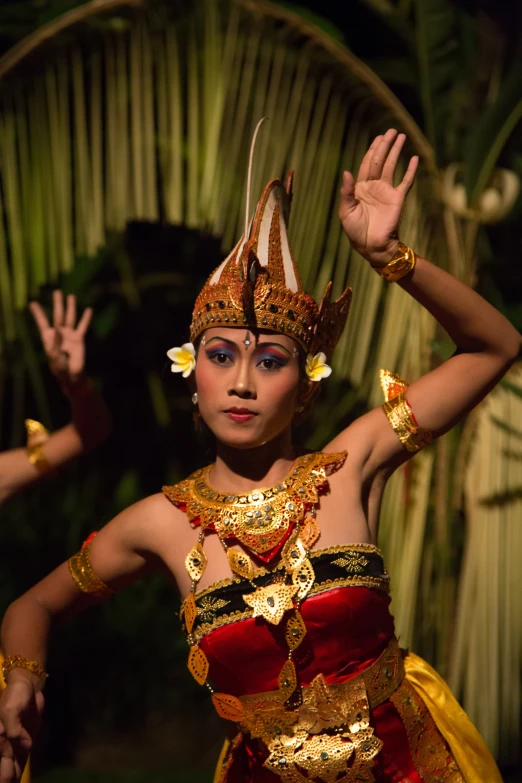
[(183, 359), (316, 367)]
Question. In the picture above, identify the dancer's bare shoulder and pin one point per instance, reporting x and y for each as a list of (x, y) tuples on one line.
[(156, 521), (151, 535)]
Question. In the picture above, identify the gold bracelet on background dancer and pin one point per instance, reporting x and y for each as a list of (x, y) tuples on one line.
[(37, 432), (19, 662), (401, 264)]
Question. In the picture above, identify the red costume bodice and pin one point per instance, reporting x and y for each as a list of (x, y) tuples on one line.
[(348, 626), (347, 629)]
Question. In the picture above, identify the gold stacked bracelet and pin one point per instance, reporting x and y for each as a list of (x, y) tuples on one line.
[(19, 662), (401, 264), (402, 420)]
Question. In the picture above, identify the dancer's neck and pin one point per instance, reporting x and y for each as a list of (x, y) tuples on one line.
[(238, 470)]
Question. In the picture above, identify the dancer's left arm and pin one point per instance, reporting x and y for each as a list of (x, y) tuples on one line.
[(486, 342)]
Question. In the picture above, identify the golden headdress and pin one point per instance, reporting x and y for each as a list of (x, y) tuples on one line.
[(258, 285)]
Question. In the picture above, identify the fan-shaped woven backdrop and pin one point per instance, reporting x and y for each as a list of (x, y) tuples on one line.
[(145, 110)]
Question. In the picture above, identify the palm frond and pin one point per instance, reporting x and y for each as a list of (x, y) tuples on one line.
[(488, 623)]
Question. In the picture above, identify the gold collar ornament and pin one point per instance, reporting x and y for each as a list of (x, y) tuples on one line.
[(259, 519)]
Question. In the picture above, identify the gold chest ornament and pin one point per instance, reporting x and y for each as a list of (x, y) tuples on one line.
[(259, 519)]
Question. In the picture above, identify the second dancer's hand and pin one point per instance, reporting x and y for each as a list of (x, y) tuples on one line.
[(63, 339), (370, 208)]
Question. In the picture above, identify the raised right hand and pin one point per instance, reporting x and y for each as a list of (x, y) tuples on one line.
[(64, 340), (371, 207), (21, 708)]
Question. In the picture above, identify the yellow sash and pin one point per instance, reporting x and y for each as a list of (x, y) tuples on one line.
[(467, 746)]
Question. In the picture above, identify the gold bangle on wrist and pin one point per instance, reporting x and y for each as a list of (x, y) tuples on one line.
[(37, 436), (401, 264), (19, 662)]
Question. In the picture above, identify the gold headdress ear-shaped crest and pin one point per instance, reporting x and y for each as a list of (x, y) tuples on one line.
[(330, 322), (258, 285)]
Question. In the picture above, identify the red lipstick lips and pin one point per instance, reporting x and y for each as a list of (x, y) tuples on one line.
[(240, 414)]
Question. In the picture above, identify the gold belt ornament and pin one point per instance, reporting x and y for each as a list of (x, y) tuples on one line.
[(328, 737)]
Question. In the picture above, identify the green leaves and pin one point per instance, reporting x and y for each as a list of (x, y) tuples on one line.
[(512, 387), (436, 43), (436, 46), (320, 21), (492, 133)]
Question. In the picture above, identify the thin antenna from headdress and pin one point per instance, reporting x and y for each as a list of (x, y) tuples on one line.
[(249, 178)]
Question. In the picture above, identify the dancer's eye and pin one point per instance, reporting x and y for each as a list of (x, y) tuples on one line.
[(271, 362), (221, 357)]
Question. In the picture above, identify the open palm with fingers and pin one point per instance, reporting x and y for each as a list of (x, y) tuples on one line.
[(370, 208), (64, 340)]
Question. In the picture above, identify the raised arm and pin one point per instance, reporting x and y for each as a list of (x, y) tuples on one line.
[(128, 548), (64, 344), (487, 344)]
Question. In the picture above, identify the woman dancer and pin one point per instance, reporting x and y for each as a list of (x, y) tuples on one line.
[(285, 592)]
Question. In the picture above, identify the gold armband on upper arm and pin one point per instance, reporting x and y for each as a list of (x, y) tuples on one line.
[(400, 414), (85, 577)]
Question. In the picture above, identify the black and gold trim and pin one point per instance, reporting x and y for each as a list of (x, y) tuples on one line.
[(354, 565)]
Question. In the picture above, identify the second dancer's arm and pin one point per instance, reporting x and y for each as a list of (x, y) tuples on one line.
[(63, 340)]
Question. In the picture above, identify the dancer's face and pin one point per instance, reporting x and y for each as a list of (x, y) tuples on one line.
[(247, 384)]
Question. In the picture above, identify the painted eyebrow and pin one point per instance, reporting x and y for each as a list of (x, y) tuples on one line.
[(223, 340), (275, 345), (259, 345)]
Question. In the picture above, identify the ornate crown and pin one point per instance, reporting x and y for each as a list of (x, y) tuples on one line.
[(259, 286)]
